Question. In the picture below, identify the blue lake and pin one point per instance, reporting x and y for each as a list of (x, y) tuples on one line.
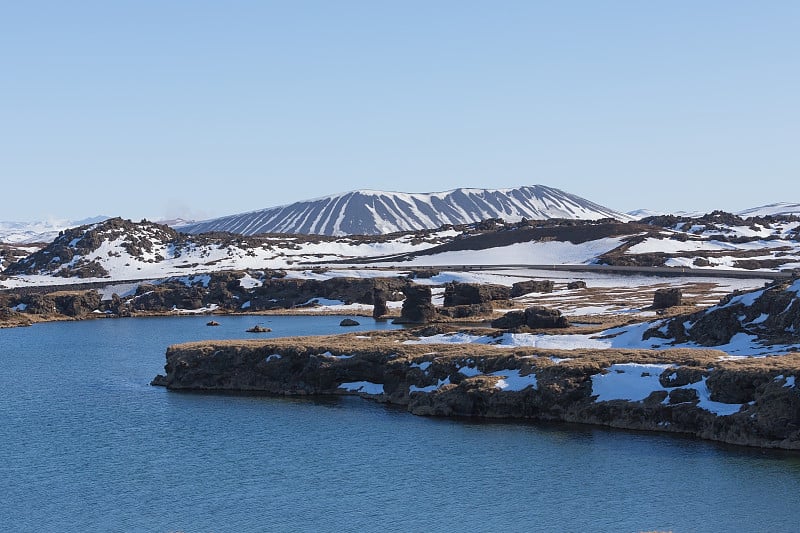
[(88, 445)]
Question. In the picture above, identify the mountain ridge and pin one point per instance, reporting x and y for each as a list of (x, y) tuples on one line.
[(370, 212)]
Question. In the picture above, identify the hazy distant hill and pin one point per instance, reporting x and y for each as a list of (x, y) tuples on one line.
[(39, 231), (378, 212)]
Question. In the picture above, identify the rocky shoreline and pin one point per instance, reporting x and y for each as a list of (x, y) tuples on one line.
[(750, 402)]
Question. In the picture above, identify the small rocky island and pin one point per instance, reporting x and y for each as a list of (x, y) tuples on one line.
[(750, 402)]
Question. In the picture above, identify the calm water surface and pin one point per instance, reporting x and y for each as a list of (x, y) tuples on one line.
[(88, 445)]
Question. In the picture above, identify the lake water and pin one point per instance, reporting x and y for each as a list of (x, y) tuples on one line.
[(88, 445)]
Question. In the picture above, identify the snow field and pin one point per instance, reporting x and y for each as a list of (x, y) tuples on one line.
[(634, 382)]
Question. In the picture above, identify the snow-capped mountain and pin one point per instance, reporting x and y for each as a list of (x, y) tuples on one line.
[(377, 212), (780, 208), (39, 231)]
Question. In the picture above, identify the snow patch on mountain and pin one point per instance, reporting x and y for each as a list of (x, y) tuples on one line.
[(525, 253), (779, 208)]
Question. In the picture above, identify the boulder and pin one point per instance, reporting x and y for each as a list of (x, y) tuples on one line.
[(73, 304), (357, 290), (576, 285), (77, 305), (212, 323), (536, 317), (258, 329), (417, 307), (166, 297), (117, 306), (682, 396), (510, 320), (535, 285), (542, 317), (466, 294), (668, 297), (349, 322), (466, 311)]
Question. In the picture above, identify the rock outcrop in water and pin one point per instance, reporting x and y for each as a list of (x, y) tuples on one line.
[(417, 306), (751, 402), (222, 291)]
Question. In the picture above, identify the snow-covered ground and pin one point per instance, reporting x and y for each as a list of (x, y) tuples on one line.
[(634, 382), (740, 345), (524, 253), (164, 259), (653, 245)]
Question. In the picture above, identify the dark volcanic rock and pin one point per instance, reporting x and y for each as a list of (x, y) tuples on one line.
[(258, 329), (166, 297), (117, 306), (525, 287), (667, 297), (356, 290), (456, 294), (542, 317), (77, 305), (683, 396), (466, 311), (510, 320), (762, 398), (466, 294), (535, 317), (349, 322), (71, 304), (379, 307), (576, 285), (498, 292), (713, 329), (223, 289), (771, 314), (417, 307)]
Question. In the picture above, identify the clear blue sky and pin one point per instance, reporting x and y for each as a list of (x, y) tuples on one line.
[(204, 108)]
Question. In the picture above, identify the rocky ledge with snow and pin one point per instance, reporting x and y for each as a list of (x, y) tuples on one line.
[(760, 322), (753, 402)]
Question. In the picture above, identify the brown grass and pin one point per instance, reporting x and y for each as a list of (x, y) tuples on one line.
[(384, 343)]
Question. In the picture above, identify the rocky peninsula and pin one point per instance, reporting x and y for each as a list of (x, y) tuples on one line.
[(699, 392)]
